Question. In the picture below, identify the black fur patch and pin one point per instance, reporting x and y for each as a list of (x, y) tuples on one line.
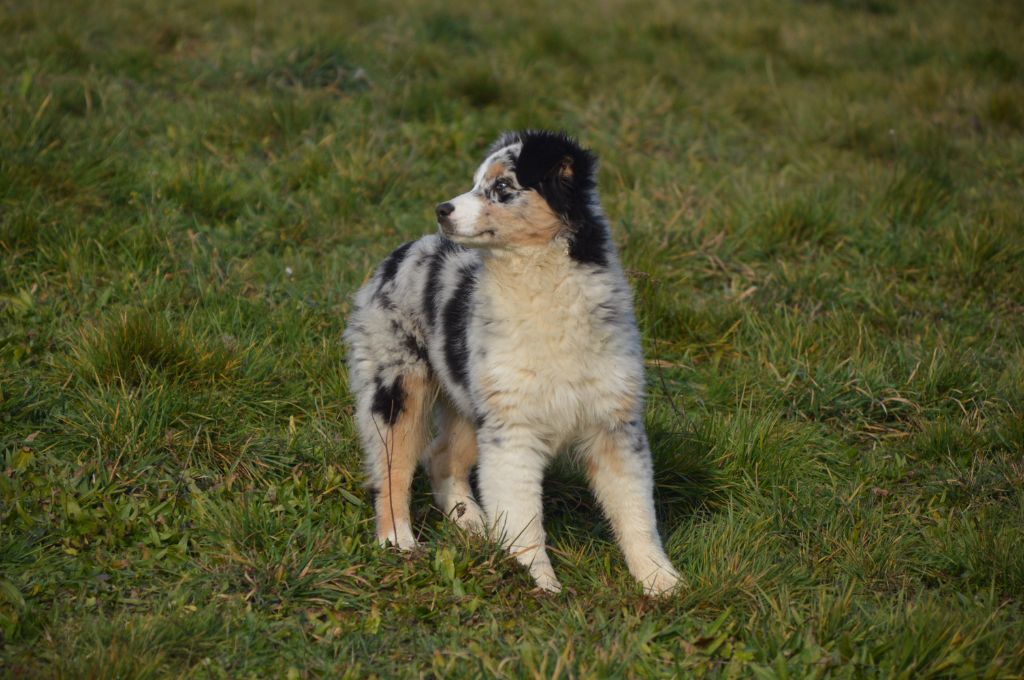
[(388, 400), (563, 173), (445, 248), (389, 268), (415, 347), (456, 325), (588, 245)]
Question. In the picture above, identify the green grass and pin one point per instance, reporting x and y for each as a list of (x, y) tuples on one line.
[(821, 207)]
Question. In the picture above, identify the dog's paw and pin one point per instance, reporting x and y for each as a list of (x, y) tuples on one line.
[(663, 581), (544, 576), (468, 515), (399, 536), (548, 583)]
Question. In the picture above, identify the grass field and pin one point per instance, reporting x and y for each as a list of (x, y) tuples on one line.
[(822, 208)]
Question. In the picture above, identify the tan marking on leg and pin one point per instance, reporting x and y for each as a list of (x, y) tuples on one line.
[(630, 408), (400, 448), (621, 479), (451, 457), (455, 451), (602, 451)]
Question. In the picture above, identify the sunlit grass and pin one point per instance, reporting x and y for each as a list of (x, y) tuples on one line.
[(818, 204)]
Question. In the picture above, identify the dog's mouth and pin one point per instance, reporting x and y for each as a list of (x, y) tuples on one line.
[(482, 236)]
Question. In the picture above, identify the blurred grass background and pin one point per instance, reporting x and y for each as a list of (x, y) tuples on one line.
[(821, 207)]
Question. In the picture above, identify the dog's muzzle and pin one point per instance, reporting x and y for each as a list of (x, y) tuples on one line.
[(444, 211)]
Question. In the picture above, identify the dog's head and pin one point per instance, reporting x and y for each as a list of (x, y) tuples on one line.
[(533, 187)]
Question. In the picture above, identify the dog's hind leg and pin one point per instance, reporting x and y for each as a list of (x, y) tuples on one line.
[(450, 458), (618, 464), (393, 428)]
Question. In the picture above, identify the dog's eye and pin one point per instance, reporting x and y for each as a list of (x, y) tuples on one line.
[(502, 190)]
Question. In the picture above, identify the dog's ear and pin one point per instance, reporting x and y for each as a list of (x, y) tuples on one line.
[(565, 175), (559, 170), (545, 157)]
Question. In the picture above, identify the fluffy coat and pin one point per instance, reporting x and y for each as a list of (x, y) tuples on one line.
[(515, 328)]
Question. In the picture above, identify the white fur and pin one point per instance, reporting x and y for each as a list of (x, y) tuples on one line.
[(467, 211), (455, 499), (400, 536)]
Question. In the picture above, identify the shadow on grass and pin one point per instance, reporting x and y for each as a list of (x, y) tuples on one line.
[(687, 482)]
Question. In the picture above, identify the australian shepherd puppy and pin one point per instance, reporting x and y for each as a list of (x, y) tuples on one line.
[(514, 327)]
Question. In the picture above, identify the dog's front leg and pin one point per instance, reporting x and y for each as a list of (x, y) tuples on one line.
[(618, 463), (511, 472)]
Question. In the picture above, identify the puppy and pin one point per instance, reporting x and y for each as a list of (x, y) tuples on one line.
[(514, 327)]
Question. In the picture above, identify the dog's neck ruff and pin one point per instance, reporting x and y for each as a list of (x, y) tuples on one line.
[(520, 260)]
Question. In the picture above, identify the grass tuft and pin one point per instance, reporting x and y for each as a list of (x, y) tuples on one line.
[(134, 346), (797, 224)]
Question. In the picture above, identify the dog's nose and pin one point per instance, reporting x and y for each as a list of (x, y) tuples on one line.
[(444, 210)]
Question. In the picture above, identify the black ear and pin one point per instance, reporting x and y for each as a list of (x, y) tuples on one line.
[(544, 157), (565, 174)]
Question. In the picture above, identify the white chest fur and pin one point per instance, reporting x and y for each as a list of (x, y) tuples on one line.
[(555, 344)]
